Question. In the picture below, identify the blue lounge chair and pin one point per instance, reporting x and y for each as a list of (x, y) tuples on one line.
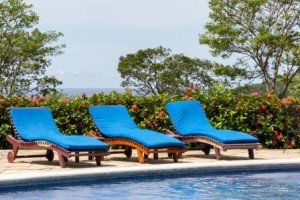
[(192, 125), (35, 127), (118, 128)]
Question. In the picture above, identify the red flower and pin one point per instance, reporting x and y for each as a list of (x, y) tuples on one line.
[(254, 132), (286, 101), (277, 136), (188, 90), (35, 101), (134, 107), (262, 108), (269, 95), (2, 101), (255, 94)]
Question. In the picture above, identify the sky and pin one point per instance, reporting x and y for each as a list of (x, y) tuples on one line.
[(98, 32)]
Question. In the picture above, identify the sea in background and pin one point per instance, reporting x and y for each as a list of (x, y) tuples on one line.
[(71, 92)]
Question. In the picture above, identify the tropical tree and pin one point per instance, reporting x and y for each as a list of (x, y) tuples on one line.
[(25, 51), (262, 34), (157, 70)]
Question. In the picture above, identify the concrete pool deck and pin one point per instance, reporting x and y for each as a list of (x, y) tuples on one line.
[(117, 164)]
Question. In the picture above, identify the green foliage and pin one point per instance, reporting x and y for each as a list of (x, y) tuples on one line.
[(262, 115), (157, 71), (25, 51), (262, 34), (294, 90)]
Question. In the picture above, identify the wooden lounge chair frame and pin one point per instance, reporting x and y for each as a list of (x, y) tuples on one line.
[(216, 145), (63, 154), (142, 151)]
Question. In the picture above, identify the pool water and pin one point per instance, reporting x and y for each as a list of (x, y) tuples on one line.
[(278, 185)]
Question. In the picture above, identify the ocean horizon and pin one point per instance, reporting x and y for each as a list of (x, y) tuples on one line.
[(88, 91)]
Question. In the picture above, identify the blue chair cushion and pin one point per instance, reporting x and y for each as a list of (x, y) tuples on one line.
[(77, 142), (189, 119), (114, 121), (37, 124)]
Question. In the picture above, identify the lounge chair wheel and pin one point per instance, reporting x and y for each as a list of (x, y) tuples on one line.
[(128, 152), (10, 156), (206, 150), (91, 157), (49, 155)]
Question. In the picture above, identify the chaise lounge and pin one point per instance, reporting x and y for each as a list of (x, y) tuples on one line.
[(117, 127), (36, 128), (192, 125)]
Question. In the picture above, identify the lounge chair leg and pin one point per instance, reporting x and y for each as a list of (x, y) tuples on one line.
[(251, 153), (77, 157), (206, 150), (155, 155), (49, 155), (175, 157), (141, 156), (218, 153), (11, 155), (98, 160), (128, 151), (62, 160)]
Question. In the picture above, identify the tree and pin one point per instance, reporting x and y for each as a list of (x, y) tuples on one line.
[(262, 34), (25, 51), (156, 71)]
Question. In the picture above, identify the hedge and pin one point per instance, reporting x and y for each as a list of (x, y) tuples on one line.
[(262, 115)]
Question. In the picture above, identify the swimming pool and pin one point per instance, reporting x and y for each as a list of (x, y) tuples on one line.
[(237, 185)]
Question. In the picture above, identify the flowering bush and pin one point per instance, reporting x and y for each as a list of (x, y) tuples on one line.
[(262, 115)]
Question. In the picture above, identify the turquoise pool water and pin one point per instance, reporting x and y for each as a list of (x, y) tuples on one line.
[(277, 185)]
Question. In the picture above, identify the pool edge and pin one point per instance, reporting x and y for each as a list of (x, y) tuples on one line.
[(147, 171)]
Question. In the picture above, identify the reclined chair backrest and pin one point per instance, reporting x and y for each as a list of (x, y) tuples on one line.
[(112, 119), (33, 123), (188, 117)]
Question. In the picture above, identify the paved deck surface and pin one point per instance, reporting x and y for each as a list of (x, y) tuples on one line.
[(39, 167)]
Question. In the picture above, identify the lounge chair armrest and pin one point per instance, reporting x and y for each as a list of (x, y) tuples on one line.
[(10, 138), (171, 134), (92, 135)]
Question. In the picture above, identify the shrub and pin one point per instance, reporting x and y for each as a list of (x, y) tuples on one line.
[(262, 115)]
